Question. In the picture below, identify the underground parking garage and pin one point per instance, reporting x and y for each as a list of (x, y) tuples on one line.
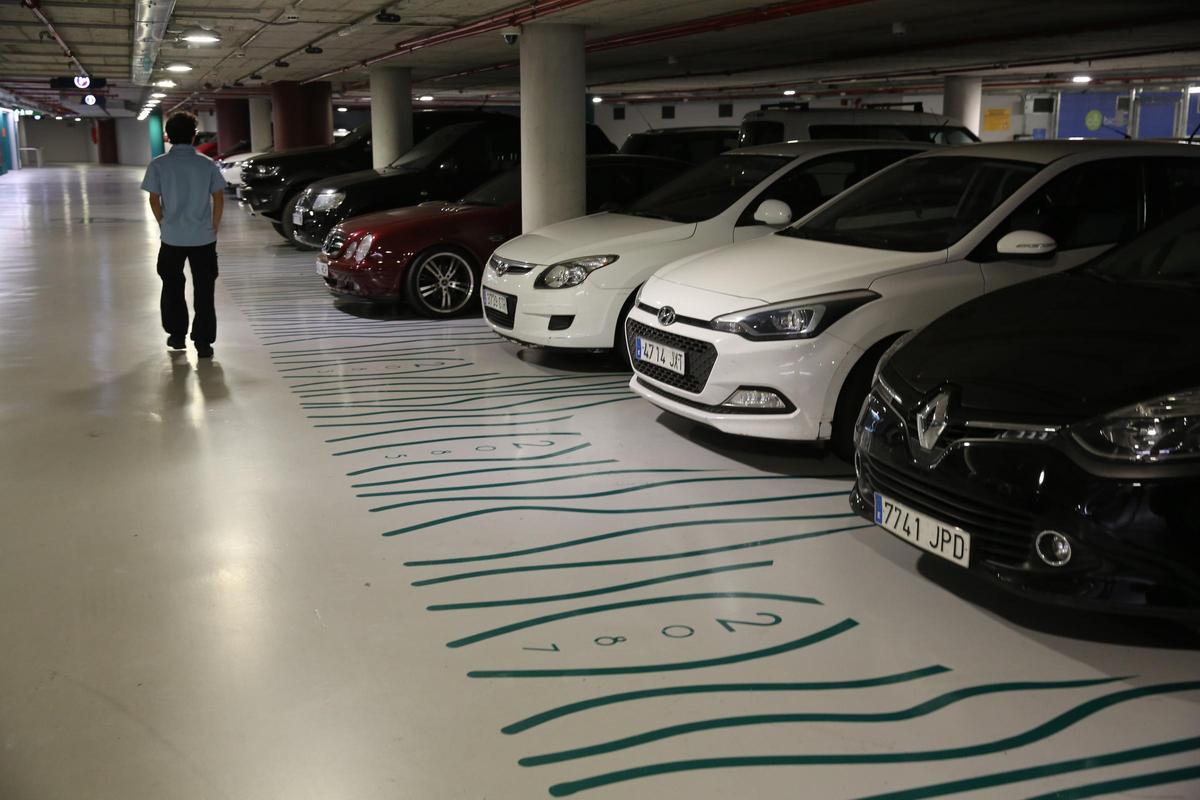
[(610, 398)]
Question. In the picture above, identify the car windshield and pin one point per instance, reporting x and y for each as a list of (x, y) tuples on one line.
[(359, 134), (932, 134), (920, 205), (501, 190), (1167, 255), (707, 190), (434, 145)]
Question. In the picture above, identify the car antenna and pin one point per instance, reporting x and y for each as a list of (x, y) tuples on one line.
[(649, 126)]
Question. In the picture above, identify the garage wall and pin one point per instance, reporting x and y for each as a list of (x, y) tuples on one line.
[(62, 141), (133, 141)]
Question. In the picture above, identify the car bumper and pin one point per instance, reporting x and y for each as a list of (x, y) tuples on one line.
[(264, 200), (719, 364), (583, 318), (314, 226), (378, 283), (1135, 538)]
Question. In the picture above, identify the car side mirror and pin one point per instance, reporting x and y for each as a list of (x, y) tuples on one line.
[(448, 167), (775, 213), (1026, 244)]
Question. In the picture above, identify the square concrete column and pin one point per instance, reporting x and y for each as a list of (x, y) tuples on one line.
[(391, 114), (962, 99), (260, 124), (233, 122), (553, 180), (302, 113)]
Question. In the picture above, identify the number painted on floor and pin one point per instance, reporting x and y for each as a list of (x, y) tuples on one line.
[(728, 624)]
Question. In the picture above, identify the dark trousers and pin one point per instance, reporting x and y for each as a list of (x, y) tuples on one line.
[(203, 262)]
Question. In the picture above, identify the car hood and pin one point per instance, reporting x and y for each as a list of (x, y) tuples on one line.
[(398, 220), (598, 234), (777, 268), (363, 179), (293, 156), (1058, 349)]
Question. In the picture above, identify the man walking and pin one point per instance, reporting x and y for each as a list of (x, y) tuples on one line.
[(187, 196)]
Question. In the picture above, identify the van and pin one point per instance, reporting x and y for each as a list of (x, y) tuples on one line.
[(771, 125)]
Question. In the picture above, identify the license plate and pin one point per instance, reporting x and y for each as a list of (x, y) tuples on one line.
[(949, 542), (496, 302), (322, 268), (660, 355), (240, 192), (297, 217)]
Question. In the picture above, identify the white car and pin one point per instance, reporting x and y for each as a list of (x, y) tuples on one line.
[(570, 285), (778, 338), (231, 167)]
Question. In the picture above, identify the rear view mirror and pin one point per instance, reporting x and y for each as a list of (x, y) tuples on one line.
[(775, 213), (1026, 244)]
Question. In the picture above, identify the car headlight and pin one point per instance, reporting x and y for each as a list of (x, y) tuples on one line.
[(266, 171), (364, 247), (795, 319), (573, 272), (1166, 427), (328, 200)]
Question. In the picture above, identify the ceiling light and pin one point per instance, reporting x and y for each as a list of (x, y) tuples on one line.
[(200, 36), (597, 99), (789, 92), (159, 95), (1082, 79), (343, 109), (58, 117), (426, 98), (282, 64), (37, 116), (77, 119), (166, 83), (90, 99), (179, 67), (1194, 90), (82, 81)]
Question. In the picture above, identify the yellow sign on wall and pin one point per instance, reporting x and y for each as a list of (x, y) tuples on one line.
[(997, 120)]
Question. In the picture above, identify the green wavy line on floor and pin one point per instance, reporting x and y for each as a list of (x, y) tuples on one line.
[(1121, 784), (445, 439), (637, 559), (381, 359), (413, 374), (541, 718), (460, 415), (383, 348), (454, 380), (478, 411), (473, 392), (553, 479), (546, 619), (541, 396), (461, 472), (623, 490), (1033, 735), (539, 457), (459, 426), (646, 510), (328, 357), (641, 669), (926, 708), (385, 387), (460, 340), (396, 333), (619, 587)]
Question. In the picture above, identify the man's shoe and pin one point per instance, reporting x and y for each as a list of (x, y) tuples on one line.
[(204, 350), (176, 342)]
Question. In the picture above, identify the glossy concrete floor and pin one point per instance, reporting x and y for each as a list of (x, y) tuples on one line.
[(360, 555)]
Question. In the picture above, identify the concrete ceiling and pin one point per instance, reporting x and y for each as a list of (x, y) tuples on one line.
[(637, 48)]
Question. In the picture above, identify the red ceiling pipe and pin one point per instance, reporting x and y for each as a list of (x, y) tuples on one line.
[(516, 16), (34, 6)]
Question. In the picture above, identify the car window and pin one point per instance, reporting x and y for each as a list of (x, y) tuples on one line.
[(1165, 254), (933, 134), (758, 131), (922, 204), (1092, 204), (1173, 186), (503, 189), (705, 191), (487, 149), (434, 146)]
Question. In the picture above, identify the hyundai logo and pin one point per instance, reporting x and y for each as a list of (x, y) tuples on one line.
[(932, 418), (666, 316)]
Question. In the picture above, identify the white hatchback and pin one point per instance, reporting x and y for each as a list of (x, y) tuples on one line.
[(778, 338), (570, 285)]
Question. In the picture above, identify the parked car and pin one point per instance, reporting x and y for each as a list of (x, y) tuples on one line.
[(444, 166), (431, 255), (272, 182), (1034, 439), (206, 143), (801, 124), (570, 285), (697, 145), (231, 168), (779, 337)]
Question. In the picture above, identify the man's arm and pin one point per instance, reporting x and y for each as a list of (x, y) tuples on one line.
[(156, 206), (218, 208)]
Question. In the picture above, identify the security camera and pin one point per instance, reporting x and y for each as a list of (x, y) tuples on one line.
[(511, 34)]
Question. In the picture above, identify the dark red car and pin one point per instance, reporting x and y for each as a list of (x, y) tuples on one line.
[(432, 255)]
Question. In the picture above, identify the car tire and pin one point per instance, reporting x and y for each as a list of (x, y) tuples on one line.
[(442, 282), (850, 400), (288, 227)]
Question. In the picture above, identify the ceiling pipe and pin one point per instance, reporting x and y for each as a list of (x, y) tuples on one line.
[(150, 18), (35, 7)]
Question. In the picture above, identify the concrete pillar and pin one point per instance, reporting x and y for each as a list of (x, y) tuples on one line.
[(391, 114), (233, 123), (260, 124), (553, 181), (302, 113), (106, 141), (962, 99)]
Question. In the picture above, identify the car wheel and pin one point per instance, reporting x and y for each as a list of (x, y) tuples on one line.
[(850, 401), (278, 226), (290, 229), (441, 282)]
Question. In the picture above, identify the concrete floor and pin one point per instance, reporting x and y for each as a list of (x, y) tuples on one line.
[(365, 556)]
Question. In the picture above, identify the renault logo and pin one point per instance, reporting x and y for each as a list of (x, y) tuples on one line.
[(932, 420), (666, 316)]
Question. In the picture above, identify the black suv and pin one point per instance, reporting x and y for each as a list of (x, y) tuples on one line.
[(447, 164), (273, 181), (697, 145)]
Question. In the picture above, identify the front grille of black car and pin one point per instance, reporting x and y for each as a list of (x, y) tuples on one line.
[(333, 244), (500, 319), (1000, 533), (698, 361)]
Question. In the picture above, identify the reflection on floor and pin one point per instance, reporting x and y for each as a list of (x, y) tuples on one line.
[(366, 555)]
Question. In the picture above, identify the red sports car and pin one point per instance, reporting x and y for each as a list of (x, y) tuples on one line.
[(432, 254)]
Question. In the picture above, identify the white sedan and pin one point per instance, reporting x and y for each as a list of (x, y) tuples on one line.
[(779, 337), (570, 285), (231, 167)]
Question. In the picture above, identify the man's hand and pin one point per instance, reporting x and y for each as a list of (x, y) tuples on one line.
[(218, 201), (156, 207)]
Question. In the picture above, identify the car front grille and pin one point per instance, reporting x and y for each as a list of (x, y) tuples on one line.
[(698, 361), (498, 318), (1000, 533), (333, 244)]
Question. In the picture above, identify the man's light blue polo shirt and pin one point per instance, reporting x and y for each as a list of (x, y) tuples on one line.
[(186, 181)]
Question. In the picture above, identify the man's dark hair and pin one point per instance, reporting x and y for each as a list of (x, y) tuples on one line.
[(181, 127)]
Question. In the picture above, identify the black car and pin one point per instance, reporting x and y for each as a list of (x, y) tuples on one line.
[(1048, 435), (695, 145), (446, 165), (272, 182)]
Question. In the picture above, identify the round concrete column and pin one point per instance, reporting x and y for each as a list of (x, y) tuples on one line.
[(962, 99), (260, 124), (233, 122), (553, 180), (303, 114), (391, 114)]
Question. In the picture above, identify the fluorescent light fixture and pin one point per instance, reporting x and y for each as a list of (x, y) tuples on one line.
[(159, 95), (179, 67), (77, 119), (789, 92), (426, 98), (1194, 90), (343, 109), (59, 117), (597, 99), (37, 116), (340, 132), (1082, 79), (201, 36), (166, 83)]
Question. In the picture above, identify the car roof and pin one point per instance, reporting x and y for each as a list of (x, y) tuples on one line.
[(636, 158), (866, 116), (688, 129), (821, 146), (1048, 150)]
